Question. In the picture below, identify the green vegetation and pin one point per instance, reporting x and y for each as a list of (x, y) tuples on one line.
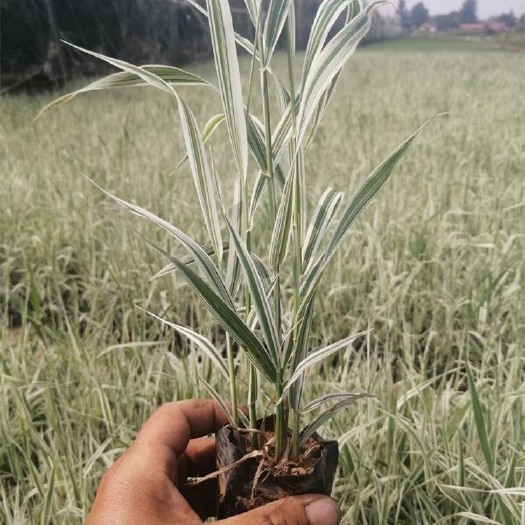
[(435, 267)]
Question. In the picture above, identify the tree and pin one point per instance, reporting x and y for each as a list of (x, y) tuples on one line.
[(419, 15), (404, 15), (468, 13), (508, 19), (447, 22)]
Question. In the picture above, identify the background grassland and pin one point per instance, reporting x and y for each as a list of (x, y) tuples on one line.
[(435, 267)]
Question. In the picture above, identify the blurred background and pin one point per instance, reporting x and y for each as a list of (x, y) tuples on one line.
[(434, 269), (172, 32)]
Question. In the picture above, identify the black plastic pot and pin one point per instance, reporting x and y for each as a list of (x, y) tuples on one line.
[(246, 486)]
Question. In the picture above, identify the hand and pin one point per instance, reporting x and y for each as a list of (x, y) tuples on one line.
[(141, 487)]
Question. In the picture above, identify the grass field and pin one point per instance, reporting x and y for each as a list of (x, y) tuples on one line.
[(435, 267)]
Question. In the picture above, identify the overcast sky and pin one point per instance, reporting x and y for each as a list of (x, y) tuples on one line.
[(486, 8)]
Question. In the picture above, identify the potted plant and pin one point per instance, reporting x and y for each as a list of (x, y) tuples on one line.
[(262, 457)]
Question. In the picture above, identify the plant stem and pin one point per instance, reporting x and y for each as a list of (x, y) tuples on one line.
[(297, 221), (280, 413), (280, 421), (233, 382), (252, 371), (296, 422)]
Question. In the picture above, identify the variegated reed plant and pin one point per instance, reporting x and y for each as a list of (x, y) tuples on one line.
[(244, 292)]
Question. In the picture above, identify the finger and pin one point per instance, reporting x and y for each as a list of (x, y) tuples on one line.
[(167, 433), (294, 510), (201, 456), (197, 461), (202, 498)]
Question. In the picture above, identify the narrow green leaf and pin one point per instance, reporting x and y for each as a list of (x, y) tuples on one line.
[(212, 124), (476, 518), (188, 259), (202, 343), (324, 417), (275, 19), (262, 269), (50, 493), (201, 258), (227, 318), (321, 218), (146, 75), (251, 6), (255, 198), (258, 296), (357, 204), (479, 419), (329, 62), (327, 14), (202, 175), (210, 127), (316, 403), (219, 400), (169, 74), (320, 355), (283, 132), (227, 67), (232, 270), (283, 223), (256, 143), (367, 191), (297, 344)]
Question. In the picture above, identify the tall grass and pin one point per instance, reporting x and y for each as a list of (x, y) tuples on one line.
[(435, 269)]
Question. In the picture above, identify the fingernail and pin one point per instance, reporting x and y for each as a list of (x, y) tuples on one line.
[(323, 512)]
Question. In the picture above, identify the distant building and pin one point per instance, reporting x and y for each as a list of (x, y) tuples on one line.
[(496, 27), (427, 27), (484, 27), (471, 28)]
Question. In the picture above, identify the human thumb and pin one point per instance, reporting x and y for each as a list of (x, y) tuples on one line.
[(294, 510)]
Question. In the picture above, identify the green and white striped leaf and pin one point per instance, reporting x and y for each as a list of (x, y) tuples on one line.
[(327, 15), (242, 41), (297, 344), (299, 352), (257, 145), (264, 272), (320, 355), (324, 417), (357, 204), (283, 132), (329, 63), (202, 343), (258, 296), (219, 400), (232, 270), (255, 198), (275, 19), (147, 76), (367, 191), (169, 74), (202, 175), (188, 259), (253, 9), (227, 317), (320, 401), (202, 259), (212, 124), (227, 67), (283, 222), (321, 218)]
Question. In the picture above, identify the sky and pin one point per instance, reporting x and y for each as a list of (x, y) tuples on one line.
[(486, 8)]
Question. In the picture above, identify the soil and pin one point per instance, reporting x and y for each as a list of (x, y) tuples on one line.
[(252, 477)]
